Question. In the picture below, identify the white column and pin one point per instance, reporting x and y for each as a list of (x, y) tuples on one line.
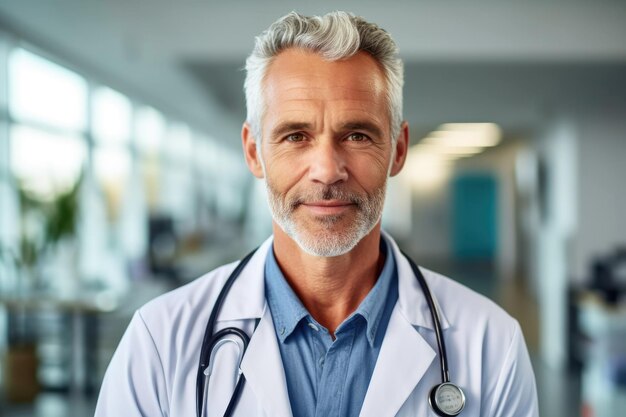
[(557, 225)]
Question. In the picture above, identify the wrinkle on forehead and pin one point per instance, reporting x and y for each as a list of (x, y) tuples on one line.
[(302, 86), (301, 72)]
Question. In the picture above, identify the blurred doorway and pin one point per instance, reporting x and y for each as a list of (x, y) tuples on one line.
[(474, 217)]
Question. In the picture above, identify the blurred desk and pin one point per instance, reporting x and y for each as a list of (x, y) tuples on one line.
[(65, 332)]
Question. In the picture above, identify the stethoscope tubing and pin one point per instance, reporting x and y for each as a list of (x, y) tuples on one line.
[(434, 313), (209, 340)]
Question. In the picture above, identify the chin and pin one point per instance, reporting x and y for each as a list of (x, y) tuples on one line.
[(327, 241)]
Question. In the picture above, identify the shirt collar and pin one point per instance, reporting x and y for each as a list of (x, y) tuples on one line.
[(373, 306), (287, 309)]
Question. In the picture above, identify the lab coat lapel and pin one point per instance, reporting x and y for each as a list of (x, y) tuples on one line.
[(262, 367), (403, 360), (246, 299), (262, 364)]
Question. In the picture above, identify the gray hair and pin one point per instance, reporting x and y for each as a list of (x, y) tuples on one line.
[(334, 36)]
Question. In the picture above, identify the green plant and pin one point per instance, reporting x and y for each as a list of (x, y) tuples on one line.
[(58, 217)]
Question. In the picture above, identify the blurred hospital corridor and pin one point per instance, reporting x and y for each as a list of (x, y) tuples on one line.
[(122, 176)]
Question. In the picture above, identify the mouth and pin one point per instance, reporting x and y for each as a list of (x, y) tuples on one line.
[(328, 207)]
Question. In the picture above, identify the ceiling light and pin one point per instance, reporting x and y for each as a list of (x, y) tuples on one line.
[(432, 147), (465, 135)]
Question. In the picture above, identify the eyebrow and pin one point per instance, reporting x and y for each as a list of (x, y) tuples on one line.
[(287, 127), (363, 125)]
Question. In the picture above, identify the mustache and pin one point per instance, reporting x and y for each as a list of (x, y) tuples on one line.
[(329, 192)]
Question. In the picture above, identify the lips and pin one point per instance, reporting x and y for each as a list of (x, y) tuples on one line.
[(327, 207)]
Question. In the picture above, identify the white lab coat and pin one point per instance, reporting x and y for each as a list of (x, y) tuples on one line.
[(153, 371)]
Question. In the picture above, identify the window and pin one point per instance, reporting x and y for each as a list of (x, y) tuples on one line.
[(112, 117), (48, 104), (112, 158), (149, 133), (45, 93), (149, 130), (177, 193), (45, 164), (178, 144)]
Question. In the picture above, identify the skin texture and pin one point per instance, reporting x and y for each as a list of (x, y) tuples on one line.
[(326, 125)]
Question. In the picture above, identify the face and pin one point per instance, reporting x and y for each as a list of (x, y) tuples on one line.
[(326, 150)]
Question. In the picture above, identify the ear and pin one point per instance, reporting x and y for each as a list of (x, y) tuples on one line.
[(401, 149), (250, 151)]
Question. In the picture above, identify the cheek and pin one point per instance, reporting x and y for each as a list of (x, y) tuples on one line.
[(371, 171), (282, 172)]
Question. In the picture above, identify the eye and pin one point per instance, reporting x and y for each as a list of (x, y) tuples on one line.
[(295, 137), (357, 137)]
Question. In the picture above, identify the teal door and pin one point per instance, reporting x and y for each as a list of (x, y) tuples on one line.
[(474, 216)]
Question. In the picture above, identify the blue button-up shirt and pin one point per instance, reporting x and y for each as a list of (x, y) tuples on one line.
[(325, 377)]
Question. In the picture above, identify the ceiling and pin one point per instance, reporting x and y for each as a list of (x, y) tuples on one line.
[(503, 61)]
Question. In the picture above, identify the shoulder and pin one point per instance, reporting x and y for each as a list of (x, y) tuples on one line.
[(467, 309), (483, 331), (183, 312), (462, 311), (199, 293), (182, 305)]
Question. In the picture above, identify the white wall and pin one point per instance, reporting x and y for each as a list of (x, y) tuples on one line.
[(397, 217), (431, 224)]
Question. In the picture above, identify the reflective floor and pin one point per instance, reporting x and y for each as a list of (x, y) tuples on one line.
[(55, 405)]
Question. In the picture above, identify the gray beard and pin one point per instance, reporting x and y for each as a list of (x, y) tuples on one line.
[(327, 242)]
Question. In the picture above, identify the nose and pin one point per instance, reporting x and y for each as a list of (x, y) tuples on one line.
[(327, 165)]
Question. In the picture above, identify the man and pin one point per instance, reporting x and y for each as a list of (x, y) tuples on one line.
[(339, 323)]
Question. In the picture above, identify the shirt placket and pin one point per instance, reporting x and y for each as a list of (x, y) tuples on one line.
[(334, 367)]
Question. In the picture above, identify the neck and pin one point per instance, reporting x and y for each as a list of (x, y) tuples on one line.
[(330, 288)]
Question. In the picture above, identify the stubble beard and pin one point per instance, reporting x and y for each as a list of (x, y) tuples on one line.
[(322, 235)]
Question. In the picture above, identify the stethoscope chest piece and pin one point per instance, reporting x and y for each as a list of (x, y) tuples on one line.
[(447, 399)]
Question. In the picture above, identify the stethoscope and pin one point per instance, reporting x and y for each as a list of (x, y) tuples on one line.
[(446, 399)]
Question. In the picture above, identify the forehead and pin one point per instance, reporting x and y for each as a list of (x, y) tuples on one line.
[(301, 78)]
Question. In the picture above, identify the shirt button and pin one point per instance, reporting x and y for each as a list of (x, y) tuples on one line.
[(314, 327), (322, 361), (282, 330)]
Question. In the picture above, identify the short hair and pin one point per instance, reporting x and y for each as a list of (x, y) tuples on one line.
[(334, 36)]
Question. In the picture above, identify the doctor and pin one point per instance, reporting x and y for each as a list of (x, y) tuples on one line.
[(339, 325)]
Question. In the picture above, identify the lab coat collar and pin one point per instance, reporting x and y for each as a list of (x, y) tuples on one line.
[(404, 351), (262, 364), (246, 299), (411, 298), (248, 292)]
